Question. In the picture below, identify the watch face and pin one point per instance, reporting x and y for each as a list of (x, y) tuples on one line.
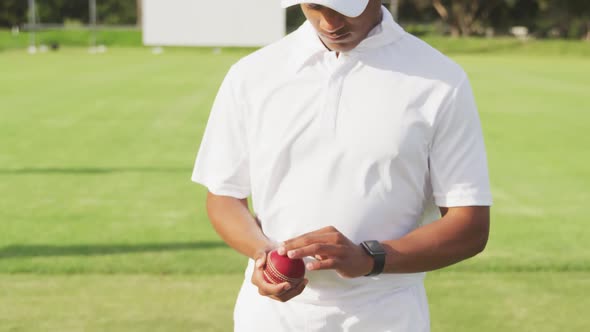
[(375, 247)]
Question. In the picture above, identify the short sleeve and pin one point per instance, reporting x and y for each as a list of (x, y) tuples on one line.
[(222, 163), (458, 163)]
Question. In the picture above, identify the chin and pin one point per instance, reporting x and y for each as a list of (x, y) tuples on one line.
[(343, 46)]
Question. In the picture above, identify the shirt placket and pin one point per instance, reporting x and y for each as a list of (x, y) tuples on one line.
[(338, 69)]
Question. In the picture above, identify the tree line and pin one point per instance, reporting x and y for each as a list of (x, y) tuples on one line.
[(109, 12), (542, 18)]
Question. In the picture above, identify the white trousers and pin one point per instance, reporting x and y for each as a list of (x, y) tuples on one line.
[(398, 310)]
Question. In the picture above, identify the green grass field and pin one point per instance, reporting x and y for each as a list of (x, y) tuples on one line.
[(133, 38), (102, 230)]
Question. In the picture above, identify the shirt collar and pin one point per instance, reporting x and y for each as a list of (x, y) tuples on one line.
[(308, 45)]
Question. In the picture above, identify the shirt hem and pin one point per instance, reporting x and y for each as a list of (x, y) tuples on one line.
[(463, 200), (223, 189)]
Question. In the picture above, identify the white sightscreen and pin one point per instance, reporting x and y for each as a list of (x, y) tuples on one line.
[(212, 23)]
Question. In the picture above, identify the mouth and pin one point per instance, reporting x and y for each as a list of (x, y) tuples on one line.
[(335, 37)]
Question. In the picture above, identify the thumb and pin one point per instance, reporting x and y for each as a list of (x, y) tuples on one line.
[(260, 259)]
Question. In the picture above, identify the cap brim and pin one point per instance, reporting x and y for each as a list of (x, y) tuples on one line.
[(350, 8)]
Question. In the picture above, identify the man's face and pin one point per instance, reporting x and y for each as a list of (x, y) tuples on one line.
[(338, 32)]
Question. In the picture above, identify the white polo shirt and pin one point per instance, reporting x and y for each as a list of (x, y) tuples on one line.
[(370, 142)]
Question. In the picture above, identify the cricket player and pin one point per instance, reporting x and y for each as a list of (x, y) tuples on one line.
[(361, 149)]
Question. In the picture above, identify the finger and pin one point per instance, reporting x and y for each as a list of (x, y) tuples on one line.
[(326, 264), (324, 230), (308, 239), (295, 291), (318, 249), (267, 289), (298, 289)]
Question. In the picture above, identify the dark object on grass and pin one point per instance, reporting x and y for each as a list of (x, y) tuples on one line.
[(54, 46)]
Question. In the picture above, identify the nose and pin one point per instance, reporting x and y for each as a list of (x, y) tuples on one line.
[(331, 20)]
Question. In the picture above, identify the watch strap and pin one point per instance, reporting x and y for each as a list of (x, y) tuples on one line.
[(375, 250)]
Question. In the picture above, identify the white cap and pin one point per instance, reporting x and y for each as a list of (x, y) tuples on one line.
[(350, 8)]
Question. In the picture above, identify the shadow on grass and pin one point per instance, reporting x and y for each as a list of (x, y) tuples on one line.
[(19, 251), (93, 170)]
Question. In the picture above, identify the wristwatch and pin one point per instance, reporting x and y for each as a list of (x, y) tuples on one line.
[(375, 250)]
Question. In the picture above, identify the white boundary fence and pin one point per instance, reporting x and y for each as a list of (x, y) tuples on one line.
[(212, 23)]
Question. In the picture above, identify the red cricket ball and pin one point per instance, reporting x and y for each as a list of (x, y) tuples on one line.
[(282, 268)]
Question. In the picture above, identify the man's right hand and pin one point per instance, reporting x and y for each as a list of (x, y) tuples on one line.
[(282, 292)]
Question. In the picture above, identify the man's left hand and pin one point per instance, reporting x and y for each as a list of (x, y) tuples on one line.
[(331, 250)]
